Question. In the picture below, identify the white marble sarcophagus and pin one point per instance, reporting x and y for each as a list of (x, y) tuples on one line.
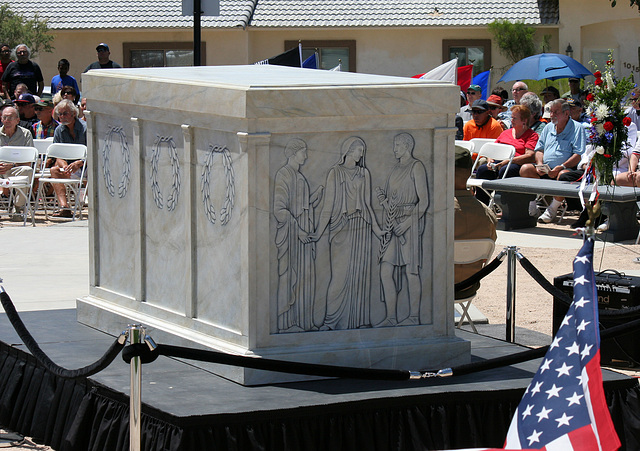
[(269, 211)]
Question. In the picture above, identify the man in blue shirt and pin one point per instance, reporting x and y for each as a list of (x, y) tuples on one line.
[(63, 79), (561, 144)]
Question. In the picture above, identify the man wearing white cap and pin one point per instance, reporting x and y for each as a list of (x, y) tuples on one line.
[(103, 59)]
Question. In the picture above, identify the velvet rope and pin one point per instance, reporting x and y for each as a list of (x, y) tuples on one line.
[(484, 272), (35, 350)]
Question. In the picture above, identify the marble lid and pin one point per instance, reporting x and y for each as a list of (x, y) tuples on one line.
[(260, 76)]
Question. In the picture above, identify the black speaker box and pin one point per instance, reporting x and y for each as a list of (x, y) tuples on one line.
[(616, 293)]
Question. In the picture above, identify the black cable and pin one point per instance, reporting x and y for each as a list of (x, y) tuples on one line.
[(43, 359), (485, 271)]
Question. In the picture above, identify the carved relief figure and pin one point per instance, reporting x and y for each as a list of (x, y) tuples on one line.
[(293, 209), (405, 199), (348, 214)]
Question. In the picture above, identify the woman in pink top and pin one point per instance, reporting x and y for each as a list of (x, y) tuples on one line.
[(519, 136)]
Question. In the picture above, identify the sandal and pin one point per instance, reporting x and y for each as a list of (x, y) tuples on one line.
[(64, 213)]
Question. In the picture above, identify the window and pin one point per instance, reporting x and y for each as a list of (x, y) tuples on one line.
[(160, 54), (468, 51), (330, 53)]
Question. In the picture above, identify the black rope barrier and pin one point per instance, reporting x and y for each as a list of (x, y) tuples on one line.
[(283, 366), (44, 360), (258, 363), (484, 272)]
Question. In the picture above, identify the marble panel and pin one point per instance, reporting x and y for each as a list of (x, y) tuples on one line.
[(284, 213)]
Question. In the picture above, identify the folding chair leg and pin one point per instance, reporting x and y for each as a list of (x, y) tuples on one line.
[(465, 314)]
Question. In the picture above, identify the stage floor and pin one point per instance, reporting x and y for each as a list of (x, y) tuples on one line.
[(178, 391)]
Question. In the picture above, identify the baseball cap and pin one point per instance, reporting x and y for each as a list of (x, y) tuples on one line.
[(26, 98), (547, 112), (551, 90), (463, 158), (475, 88), (573, 102), (495, 100), (45, 101), (480, 105), (102, 44)]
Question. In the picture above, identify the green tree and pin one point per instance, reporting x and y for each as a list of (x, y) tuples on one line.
[(515, 39), (16, 29)]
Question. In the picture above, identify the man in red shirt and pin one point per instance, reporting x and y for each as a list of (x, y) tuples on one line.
[(5, 59), (483, 125)]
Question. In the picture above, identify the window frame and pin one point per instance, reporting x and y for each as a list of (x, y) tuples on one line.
[(127, 47), (484, 43), (328, 43)]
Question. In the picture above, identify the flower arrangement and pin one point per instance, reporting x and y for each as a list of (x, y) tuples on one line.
[(608, 132)]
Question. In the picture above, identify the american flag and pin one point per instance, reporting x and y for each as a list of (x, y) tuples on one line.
[(564, 407)]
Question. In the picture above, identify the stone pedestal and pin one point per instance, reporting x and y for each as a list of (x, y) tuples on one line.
[(269, 211)]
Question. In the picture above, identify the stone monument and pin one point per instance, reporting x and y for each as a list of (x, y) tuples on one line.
[(268, 211)]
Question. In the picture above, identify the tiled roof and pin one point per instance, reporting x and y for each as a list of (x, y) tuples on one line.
[(102, 14), (400, 13)]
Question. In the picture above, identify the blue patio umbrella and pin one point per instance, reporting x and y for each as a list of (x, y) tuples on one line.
[(550, 66)]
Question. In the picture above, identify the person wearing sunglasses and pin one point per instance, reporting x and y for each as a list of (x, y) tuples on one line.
[(104, 62), (46, 126), (474, 92), (23, 70), (483, 124), (73, 131), (5, 60)]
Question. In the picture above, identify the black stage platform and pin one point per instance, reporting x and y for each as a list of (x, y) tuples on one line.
[(187, 408)]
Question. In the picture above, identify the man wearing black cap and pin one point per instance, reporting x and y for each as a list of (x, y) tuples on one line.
[(472, 219), (103, 59), (574, 89), (483, 124), (26, 104), (550, 93)]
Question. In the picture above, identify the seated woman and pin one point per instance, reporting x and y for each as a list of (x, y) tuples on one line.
[(73, 131), (519, 136)]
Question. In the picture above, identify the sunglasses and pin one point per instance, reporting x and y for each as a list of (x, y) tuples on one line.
[(518, 89)]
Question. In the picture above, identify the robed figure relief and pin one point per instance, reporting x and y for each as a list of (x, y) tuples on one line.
[(405, 199), (348, 215), (293, 208)]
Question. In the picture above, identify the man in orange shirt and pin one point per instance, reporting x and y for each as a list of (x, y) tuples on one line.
[(483, 125)]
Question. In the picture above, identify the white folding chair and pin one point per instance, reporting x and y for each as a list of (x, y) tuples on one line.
[(478, 143), (42, 145), (466, 144), (72, 185), (492, 151), (19, 186), (465, 252)]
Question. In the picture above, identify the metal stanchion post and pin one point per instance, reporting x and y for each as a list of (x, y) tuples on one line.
[(136, 335), (511, 293)]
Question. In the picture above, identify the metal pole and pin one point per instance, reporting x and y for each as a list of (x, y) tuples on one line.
[(511, 293), (197, 36), (136, 335)]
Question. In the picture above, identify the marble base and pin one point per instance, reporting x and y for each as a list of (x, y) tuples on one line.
[(413, 354)]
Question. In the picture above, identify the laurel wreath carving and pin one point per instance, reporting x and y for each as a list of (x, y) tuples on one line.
[(205, 185), (172, 199), (123, 186)]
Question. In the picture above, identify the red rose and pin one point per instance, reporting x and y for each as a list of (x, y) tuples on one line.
[(606, 155), (590, 97), (626, 121), (593, 119), (608, 126), (598, 81), (597, 74)]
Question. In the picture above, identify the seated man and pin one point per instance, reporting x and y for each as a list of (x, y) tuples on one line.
[(483, 125), (559, 149), (73, 131), (11, 134), (473, 220)]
